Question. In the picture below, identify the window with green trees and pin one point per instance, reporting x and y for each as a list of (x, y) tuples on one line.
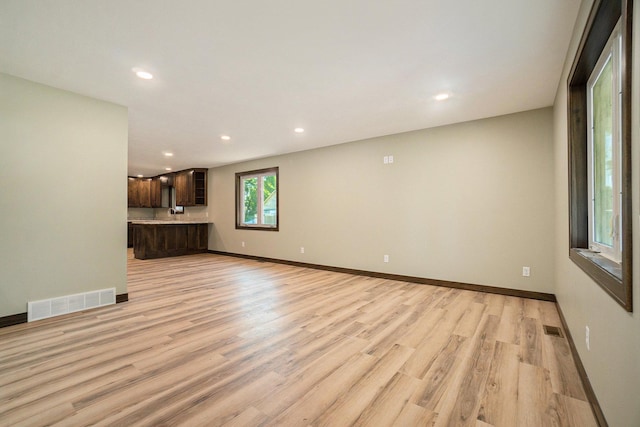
[(257, 199), (604, 151), (600, 158)]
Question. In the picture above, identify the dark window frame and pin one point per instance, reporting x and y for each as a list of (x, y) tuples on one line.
[(238, 201), (615, 279)]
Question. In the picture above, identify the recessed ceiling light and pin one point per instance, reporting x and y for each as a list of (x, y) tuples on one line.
[(140, 176), (298, 130), (167, 169), (441, 96), (144, 74), (168, 154), (225, 138)]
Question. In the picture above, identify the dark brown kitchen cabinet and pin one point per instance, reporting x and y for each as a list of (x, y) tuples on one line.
[(129, 235), (144, 192), (166, 240), (156, 192), (182, 184), (200, 186), (166, 180), (132, 192), (191, 187)]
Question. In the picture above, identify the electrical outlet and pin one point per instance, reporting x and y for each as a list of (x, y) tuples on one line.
[(385, 159), (243, 244), (390, 159), (301, 249), (386, 258), (587, 338), (526, 271)]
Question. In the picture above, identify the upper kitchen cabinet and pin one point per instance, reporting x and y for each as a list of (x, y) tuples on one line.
[(156, 192), (200, 186), (144, 192), (191, 187), (132, 192), (166, 180)]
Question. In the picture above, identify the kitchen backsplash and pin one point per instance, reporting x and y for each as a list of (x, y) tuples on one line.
[(189, 212), (140, 213), (161, 213)]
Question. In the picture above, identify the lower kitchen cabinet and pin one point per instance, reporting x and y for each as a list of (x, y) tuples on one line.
[(167, 240), (129, 235)]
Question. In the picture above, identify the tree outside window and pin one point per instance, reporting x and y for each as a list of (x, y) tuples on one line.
[(257, 199)]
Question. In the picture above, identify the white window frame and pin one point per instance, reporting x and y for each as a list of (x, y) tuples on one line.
[(613, 51), (240, 197)]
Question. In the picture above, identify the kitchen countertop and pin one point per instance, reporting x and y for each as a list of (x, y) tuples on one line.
[(150, 221)]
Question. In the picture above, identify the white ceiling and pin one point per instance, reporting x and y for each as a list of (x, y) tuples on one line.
[(344, 70)]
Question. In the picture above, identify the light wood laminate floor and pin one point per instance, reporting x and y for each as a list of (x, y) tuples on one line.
[(212, 340)]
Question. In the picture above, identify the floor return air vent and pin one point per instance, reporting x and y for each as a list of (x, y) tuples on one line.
[(45, 308), (554, 331)]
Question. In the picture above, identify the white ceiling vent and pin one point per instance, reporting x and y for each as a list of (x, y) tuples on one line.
[(42, 309)]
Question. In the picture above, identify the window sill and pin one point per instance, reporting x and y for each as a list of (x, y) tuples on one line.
[(605, 272), (611, 267), (256, 227)]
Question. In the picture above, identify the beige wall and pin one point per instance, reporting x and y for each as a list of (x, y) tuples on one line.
[(470, 202), (613, 363), (62, 194)]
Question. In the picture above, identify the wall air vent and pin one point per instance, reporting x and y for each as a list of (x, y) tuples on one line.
[(42, 309)]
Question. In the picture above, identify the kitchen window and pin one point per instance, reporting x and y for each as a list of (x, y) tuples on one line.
[(257, 200)]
